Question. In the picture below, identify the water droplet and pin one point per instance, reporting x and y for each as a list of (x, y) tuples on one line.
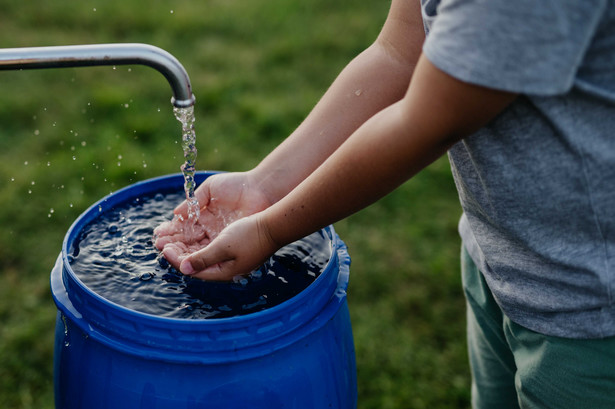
[(36, 132), (358, 92), (171, 11), (240, 280), (12, 179), (146, 276), (74, 157), (94, 9), (51, 210), (83, 143), (48, 163), (33, 183), (66, 339), (25, 163)]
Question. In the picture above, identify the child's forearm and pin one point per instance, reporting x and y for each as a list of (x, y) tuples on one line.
[(387, 150), (375, 79)]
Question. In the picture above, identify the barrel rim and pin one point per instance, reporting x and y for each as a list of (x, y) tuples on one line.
[(263, 328)]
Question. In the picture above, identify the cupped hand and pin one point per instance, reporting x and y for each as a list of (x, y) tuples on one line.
[(223, 198), (239, 249)]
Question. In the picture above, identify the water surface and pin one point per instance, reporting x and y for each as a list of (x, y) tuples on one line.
[(115, 257)]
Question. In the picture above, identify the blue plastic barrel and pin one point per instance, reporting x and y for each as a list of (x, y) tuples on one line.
[(298, 354)]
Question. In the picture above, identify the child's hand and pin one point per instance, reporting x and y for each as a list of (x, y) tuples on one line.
[(240, 248), (223, 199)]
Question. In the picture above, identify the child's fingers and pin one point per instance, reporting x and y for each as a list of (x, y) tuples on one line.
[(217, 272), (169, 229), (165, 229), (210, 263), (202, 259), (176, 239), (173, 255)]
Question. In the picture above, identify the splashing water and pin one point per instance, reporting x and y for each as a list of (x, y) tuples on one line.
[(186, 117)]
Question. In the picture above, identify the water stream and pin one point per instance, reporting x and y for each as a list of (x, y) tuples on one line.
[(186, 117)]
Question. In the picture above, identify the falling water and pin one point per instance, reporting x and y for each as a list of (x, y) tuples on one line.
[(186, 117)]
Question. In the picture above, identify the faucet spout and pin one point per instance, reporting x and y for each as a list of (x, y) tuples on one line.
[(104, 54)]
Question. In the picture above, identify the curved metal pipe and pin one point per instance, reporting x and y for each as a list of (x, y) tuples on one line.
[(104, 54)]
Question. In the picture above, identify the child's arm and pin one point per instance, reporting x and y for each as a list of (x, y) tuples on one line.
[(389, 148), (375, 79)]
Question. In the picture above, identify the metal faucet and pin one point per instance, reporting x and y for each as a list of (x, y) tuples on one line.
[(104, 54)]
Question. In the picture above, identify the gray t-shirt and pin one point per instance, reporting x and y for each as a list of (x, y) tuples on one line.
[(537, 184)]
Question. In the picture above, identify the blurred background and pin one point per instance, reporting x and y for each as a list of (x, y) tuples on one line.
[(70, 136)]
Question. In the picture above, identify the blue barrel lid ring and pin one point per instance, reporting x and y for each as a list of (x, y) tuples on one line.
[(195, 341)]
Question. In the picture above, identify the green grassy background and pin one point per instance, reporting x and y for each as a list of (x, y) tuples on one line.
[(70, 136)]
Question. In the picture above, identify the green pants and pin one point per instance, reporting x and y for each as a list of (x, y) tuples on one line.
[(513, 367)]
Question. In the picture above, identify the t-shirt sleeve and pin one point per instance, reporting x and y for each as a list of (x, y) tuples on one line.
[(524, 46)]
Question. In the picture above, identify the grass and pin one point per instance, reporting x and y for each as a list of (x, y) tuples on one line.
[(70, 136)]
